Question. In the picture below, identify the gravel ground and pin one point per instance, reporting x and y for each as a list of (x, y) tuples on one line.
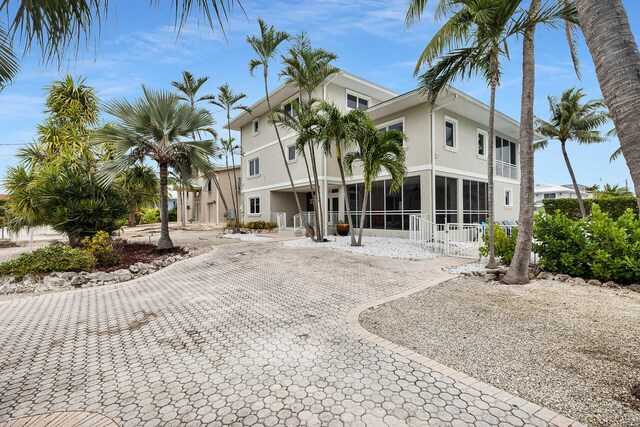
[(247, 237), (383, 247), (572, 348)]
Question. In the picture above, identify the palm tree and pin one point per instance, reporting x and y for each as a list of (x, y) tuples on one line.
[(572, 120), (336, 133), (157, 126), (613, 190), (140, 186), (266, 48), (230, 150), (615, 54), (228, 101), (188, 91), (471, 42), (306, 68), (376, 150), (57, 26)]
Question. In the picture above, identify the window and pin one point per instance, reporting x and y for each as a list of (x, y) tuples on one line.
[(395, 124), (254, 167), (355, 101), (446, 200), (482, 144), (209, 185), (256, 126), (508, 197), (386, 210), (450, 134), (549, 195), (287, 106), (254, 205), (506, 158), (291, 152), (475, 201)]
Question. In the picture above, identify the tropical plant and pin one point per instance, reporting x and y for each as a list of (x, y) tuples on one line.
[(157, 126), (266, 47), (305, 68), (472, 41), (229, 102), (55, 257), (56, 26), (571, 120), (188, 91), (55, 182), (615, 54), (376, 150), (229, 149), (614, 190), (140, 187), (103, 249), (336, 133)]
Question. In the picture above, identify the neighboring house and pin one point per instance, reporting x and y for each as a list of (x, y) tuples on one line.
[(204, 203), (172, 201), (446, 159), (552, 191)]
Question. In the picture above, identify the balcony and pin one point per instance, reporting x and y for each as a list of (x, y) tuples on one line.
[(506, 170)]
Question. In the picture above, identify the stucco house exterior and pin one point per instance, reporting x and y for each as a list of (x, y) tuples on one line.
[(204, 202), (446, 155)]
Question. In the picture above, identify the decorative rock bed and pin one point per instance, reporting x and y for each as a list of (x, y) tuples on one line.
[(478, 270), (72, 280)]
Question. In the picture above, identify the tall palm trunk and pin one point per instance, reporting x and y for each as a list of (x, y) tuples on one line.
[(284, 155), (606, 29), (362, 216), (233, 201), (132, 219), (183, 209), (317, 202), (165, 241), (490, 163), (583, 211), (234, 187), (216, 182), (519, 270), (346, 194)]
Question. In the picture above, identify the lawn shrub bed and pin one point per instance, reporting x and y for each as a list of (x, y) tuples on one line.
[(597, 247), (504, 245), (614, 206), (255, 225), (55, 257)]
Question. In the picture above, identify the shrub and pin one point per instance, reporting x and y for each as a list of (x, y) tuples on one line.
[(103, 249), (504, 245), (55, 257), (614, 206), (598, 246), (255, 225), (150, 216), (173, 214)]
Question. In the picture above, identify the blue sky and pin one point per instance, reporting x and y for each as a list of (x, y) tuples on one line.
[(138, 45)]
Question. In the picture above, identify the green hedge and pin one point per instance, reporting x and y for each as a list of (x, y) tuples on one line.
[(55, 257), (598, 246), (614, 206)]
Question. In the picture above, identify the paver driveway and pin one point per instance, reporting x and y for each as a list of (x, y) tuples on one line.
[(251, 334)]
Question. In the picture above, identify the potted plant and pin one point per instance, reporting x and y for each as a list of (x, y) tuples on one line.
[(342, 228)]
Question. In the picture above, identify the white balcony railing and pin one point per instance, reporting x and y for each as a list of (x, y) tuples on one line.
[(506, 170)]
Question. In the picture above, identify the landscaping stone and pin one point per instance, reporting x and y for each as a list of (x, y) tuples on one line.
[(610, 284), (545, 275), (635, 287), (562, 277), (595, 282), (577, 281), (123, 275), (53, 282)]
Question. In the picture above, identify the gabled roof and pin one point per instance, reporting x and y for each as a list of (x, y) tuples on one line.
[(285, 91)]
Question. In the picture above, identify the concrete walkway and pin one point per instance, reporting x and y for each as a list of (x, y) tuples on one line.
[(249, 334)]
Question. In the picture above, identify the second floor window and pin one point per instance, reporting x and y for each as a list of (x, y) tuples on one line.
[(482, 143), (357, 102), (394, 125), (291, 154), (450, 134), (254, 167), (549, 195), (288, 107), (256, 126)]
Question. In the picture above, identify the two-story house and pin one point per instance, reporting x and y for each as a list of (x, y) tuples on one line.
[(446, 155)]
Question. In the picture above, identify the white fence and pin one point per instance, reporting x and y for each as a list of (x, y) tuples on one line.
[(304, 220), (279, 218), (452, 239), (25, 233)]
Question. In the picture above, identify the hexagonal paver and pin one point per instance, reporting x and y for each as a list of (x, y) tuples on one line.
[(252, 333)]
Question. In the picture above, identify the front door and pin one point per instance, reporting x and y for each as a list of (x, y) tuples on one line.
[(334, 207)]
